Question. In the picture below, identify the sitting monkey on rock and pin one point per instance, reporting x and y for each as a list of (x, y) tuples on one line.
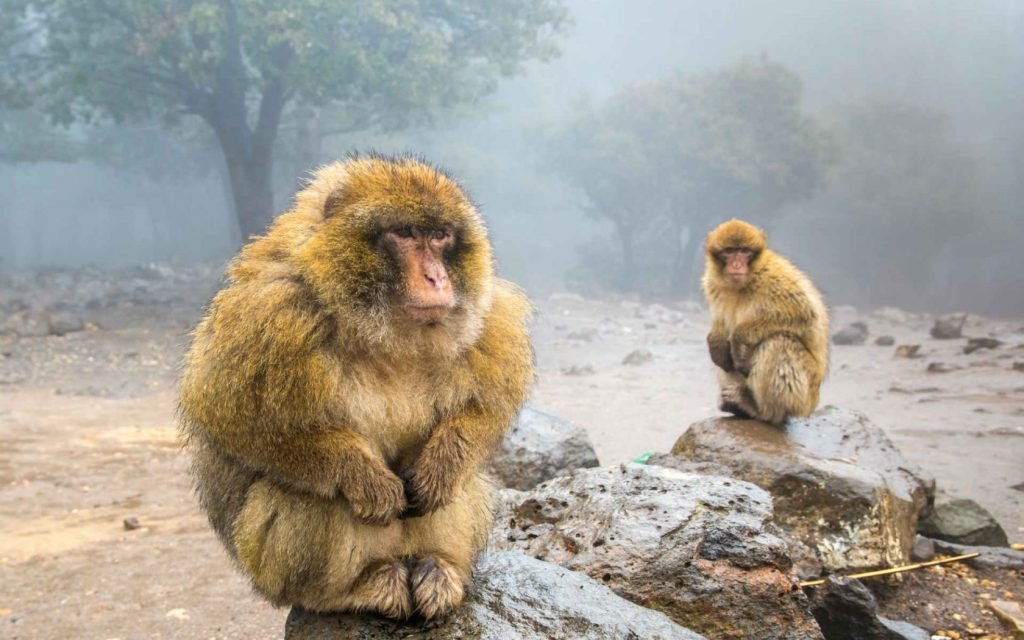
[(769, 327), (344, 388)]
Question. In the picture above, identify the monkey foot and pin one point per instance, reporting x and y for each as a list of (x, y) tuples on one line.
[(734, 400), (384, 588), (436, 587)]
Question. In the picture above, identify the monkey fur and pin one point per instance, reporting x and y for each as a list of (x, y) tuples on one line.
[(769, 331), (336, 442)]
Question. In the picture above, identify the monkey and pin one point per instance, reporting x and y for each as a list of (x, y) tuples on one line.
[(769, 327), (345, 387)]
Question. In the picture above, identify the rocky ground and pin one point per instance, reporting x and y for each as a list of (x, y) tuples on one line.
[(87, 419)]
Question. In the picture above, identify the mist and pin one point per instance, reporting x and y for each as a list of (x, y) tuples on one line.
[(962, 62)]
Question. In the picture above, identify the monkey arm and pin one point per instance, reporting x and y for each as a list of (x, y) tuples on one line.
[(793, 320), (501, 364), (719, 348)]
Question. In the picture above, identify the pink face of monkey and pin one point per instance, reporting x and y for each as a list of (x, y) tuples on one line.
[(736, 264)]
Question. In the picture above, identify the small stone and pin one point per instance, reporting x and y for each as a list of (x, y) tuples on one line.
[(908, 351), (576, 370), (1018, 366), (923, 550), (131, 523), (949, 327), (963, 522), (1011, 615), (63, 323), (854, 333), (885, 341), (638, 357), (974, 344), (941, 367)]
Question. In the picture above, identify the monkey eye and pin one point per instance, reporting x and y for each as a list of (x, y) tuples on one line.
[(440, 234), (403, 232)]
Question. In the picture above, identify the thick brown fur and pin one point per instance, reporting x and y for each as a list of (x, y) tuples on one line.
[(769, 335), (337, 444)]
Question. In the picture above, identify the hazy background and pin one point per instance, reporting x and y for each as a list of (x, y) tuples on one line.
[(936, 87)]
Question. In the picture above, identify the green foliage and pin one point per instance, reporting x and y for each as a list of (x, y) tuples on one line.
[(237, 64), (676, 156)]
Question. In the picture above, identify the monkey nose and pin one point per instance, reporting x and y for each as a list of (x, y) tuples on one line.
[(438, 280)]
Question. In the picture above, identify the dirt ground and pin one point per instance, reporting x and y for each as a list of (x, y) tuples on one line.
[(89, 439)]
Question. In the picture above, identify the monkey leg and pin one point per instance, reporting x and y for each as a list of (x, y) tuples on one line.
[(735, 397), (443, 545), (781, 380), (304, 550)]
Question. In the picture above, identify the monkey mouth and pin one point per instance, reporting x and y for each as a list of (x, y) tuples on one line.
[(428, 314)]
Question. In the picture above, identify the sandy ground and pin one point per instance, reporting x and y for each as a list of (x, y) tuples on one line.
[(88, 440)]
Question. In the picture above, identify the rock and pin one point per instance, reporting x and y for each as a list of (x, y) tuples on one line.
[(700, 549), (131, 523), (923, 550), (512, 597), (908, 351), (64, 323), (846, 610), (949, 327), (575, 370), (638, 357), (839, 483), (539, 447), (1011, 615), (974, 344), (991, 557), (963, 522), (854, 333), (941, 367), (885, 341), (28, 324), (1018, 366), (689, 466)]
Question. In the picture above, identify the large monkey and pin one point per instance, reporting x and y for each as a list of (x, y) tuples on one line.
[(769, 327), (344, 388)]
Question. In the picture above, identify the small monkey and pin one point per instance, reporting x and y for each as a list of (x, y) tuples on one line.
[(345, 387), (769, 326)]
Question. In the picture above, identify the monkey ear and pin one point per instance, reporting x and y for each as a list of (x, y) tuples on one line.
[(334, 202)]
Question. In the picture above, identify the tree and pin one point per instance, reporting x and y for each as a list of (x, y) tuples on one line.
[(903, 192), (238, 64), (682, 153)]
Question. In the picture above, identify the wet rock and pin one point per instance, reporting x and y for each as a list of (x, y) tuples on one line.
[(908, 351), (964, 522), (923, 550), (1011, 615), (846, 610), (638, 357), (538, 447), (885, 341), (27, 324), (854, 333), (64, 323), (512, 597), (689, 466), (949, 327), (839, 483), (991, 557), (975, 344), (701, 549)]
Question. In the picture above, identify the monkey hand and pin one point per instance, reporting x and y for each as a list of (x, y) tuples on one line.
[(378, 498), (718, 348), (428, 487), (740, 353), (735, 399)]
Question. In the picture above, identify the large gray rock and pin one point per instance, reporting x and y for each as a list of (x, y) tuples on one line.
[(513, 597), (855, 333), (698, 548), (540, 447), (839, 483), (990, 557), (964, 522)]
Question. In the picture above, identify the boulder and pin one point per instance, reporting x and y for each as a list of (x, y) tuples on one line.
[(991, 557), (701, 549), (839, 483), (64, 323), (513, 597), (963, 522), (854, 333), (539, 447), (846, 610)]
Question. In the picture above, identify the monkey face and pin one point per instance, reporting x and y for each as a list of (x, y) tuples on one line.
[(421, 254), (735, 263)]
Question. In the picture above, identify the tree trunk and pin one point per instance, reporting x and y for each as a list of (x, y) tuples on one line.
[(251, 192), (625, 234)]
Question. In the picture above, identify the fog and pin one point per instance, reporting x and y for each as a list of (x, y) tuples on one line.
[(962, 62)]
